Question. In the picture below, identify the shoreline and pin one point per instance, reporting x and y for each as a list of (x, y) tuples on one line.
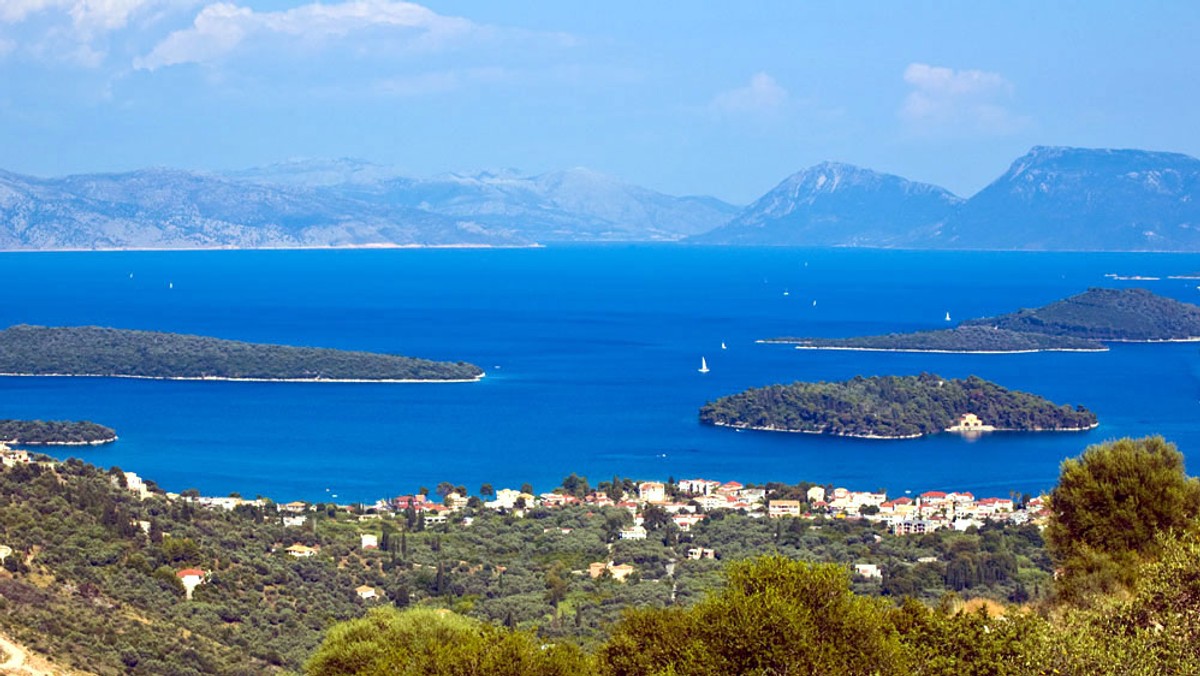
[(245, 380), (900, 437), (98, 442), (932, 351), (298, 247)]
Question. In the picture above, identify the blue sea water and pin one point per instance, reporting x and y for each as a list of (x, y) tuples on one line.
[(592, 355)]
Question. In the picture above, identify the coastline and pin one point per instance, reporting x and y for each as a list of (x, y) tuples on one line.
[(298, 247), (98, 442), (901, 436), (245, 380), (932, 351)]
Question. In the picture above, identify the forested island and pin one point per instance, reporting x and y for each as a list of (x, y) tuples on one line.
[(54, 433), (1083, 322), (891, 407), (97, 351)]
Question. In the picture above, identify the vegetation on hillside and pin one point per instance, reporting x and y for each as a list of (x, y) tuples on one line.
[(1082, 322), (90, 350), (1105, 314), (778, 615), (890, 406), (52, 432)]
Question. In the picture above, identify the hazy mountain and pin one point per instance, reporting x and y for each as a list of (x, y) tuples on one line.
[(833, 204), (1052, 198), (337, 203), (1077, 198), (180, 209), (575, 204)]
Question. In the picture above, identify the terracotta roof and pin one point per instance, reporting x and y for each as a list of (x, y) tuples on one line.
[(186, 572)]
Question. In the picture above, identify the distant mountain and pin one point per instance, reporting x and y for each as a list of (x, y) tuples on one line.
[(1050, 199), (337, 203), (1077, 198), (575, 204), (179, 209), (834, 204)]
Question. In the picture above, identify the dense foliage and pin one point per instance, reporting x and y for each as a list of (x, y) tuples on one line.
[(89, 350), (50, 432), (890, 406), (1108, 509), (1105, 314), (961, 339), (425, 642)]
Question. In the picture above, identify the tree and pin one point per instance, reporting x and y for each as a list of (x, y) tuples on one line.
[(424, 642), (775, 616), (527, 488), (1109, 507), (445, 488), (486, 490)]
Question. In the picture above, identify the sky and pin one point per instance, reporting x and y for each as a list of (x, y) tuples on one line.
[(722, 99)]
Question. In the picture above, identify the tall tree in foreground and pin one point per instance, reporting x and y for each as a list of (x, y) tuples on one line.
[(1108, 509)]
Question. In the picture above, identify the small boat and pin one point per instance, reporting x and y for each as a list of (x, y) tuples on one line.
[(170, 285), (785, 292), (814, 303), (947, 316), (703, 365), (722, 347)]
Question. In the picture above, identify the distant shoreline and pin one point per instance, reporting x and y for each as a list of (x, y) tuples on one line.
[(298, 247), (902, 436), (798, 346), (245, 380)]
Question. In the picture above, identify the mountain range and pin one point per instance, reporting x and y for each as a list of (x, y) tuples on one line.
[(1051, 198)]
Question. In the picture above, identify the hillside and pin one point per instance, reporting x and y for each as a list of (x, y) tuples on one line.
[(1105, 315), (1084, 199), (97, 351), (892, 407), (833, 204)]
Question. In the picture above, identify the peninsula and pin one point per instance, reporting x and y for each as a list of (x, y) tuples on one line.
[(1083, 322), (893, 407), (54, 433), (95, 351)]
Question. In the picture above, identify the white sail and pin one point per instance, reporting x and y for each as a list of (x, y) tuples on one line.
[(703, 365), (722, 347), (947, 316)]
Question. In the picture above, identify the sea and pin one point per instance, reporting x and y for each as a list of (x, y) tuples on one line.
[(592, 356)]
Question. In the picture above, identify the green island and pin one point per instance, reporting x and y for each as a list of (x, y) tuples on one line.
[(893, 407), (54, 433), (97, 351), (1083, 322)]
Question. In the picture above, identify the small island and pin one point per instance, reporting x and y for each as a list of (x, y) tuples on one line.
[(893, 407), (1082, 323), (96, 351), (54, 433)]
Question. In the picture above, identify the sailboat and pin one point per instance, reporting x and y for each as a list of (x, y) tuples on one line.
[(947, 316), (722, 347), (703, 365)]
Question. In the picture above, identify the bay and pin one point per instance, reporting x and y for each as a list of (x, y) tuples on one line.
[(592, 355)]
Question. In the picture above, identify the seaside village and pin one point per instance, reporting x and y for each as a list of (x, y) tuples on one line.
[(686, 502)]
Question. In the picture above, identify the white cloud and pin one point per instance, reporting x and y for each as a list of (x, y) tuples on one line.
[(762, 95), (74, 31), (945, 100), (88, 16), (220, 29)]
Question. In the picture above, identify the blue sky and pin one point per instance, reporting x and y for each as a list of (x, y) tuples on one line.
[(723, 99)]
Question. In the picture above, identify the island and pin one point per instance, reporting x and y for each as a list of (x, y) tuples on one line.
[(893, 407), (1081, 323), (96, 351), (54, 433)]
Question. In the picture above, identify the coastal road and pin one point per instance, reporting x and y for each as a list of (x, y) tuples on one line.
[(16, 662)]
